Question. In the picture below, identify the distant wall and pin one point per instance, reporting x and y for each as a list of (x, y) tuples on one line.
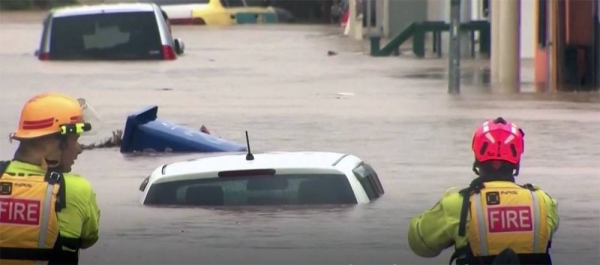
[(402, 13)]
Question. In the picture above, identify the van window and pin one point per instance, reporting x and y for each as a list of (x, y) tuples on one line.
[(118, 36), (292, 189), (368, 178)]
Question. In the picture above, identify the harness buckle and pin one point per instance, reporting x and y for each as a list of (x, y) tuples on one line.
[(54, 176)]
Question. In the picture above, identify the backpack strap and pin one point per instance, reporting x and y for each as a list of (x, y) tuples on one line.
[(55, 176), (529, 186), (475, 187)]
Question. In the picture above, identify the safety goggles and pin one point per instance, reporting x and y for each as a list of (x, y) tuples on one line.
[(88, 124)]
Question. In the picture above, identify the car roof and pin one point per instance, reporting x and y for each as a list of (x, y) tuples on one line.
[(274, 160), (103, 8)]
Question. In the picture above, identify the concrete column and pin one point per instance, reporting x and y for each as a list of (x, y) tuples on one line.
[(386, 18), (359, 29), (477, 13), (553, 45), (369, 16), (495, 41), (355, 27), (510, 63), (465, 16), (476, 10), (597, 44), (528, 24), (379, 16), (465, 37), (445, 16)]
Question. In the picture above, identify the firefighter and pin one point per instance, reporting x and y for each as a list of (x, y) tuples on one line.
[(494, 213), (47, 213)]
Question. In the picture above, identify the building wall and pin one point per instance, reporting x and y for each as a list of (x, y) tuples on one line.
[(402, 13), (438, 10)]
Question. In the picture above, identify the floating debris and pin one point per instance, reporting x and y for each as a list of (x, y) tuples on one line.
[(114, 141), (117, 139), (341, 95)]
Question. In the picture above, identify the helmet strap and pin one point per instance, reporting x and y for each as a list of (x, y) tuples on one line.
[(516, 171), (476, 167), (63, 143), (62, 146)]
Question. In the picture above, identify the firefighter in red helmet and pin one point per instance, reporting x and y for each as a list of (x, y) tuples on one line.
[(494, 213)]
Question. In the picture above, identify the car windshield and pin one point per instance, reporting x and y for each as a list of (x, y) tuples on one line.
[(128, 35), (268, 190)]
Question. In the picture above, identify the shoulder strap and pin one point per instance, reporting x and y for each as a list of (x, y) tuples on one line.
[(55, 176), (475, 187), (529, 186)]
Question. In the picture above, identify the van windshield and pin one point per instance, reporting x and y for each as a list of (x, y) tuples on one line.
[(127, 35), (288, 189)]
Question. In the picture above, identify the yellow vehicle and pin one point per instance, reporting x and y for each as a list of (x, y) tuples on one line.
[(219, 12)]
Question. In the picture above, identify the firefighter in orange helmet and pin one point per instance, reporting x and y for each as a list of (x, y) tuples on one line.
[(46, 213)]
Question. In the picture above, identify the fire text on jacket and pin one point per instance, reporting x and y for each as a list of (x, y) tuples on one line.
[(502, 219), (19, 211)]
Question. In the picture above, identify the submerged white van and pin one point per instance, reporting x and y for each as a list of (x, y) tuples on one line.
[(136, 31)]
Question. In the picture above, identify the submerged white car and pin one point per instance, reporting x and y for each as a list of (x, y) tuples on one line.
[(275, 178)]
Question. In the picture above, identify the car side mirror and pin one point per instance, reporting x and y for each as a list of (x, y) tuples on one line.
[(179, 46)]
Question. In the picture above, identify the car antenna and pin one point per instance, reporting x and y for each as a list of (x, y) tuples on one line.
[(249, 156)]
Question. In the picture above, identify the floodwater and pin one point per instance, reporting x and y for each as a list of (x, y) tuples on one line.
[(278, 83)]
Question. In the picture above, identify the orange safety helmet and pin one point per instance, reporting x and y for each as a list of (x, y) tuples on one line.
[(50, 113)]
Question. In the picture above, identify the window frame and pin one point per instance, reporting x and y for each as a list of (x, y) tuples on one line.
[(369, 180)]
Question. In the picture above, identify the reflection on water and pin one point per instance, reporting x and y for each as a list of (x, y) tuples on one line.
[(278, 83)]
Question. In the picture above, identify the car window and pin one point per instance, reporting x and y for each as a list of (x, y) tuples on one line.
[(257, 3), (245, 3), (130, 35), (175, 2), (255, 190), (233, 3), (368, 178)]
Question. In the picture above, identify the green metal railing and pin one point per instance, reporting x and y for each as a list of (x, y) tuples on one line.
[(418, 31)]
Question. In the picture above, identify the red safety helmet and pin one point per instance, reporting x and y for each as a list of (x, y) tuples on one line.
[(498, 140)]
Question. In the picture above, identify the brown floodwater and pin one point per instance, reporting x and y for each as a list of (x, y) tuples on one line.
[(278, 83)]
